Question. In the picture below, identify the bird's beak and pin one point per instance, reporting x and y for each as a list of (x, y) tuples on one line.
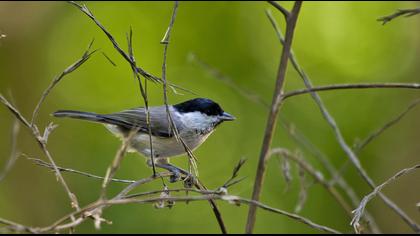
[(227, 117)]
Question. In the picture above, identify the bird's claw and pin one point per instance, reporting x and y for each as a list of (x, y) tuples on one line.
[(189, 181)]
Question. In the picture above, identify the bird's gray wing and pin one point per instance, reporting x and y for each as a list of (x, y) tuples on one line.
[(136, 118)]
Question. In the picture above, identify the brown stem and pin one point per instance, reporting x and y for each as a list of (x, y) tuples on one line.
[(272, 118)]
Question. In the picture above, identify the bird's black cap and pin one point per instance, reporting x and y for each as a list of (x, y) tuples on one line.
[(203, 105)]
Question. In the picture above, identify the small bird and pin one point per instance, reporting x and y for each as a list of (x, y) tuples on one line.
[(194, 119)]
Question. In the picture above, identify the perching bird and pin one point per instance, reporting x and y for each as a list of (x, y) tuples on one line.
[(195, 120)]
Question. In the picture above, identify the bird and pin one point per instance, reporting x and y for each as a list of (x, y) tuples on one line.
[(195, 120)]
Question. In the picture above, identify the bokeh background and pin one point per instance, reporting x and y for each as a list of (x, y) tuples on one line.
[(334, 42)]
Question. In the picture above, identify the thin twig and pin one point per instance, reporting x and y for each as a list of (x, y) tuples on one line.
[(300, 139), (351, 86), (112, 169), (35, 132), (315, 174), (13, 153), (250, 95), (283, 10), (17, 227), (205, 195), (358, 212), (228, 198), (398, 13), (109, 59), (172, 127), (138, 70), (272, 118), (86, 55), (362, 144), (68, 170), (191, 158)]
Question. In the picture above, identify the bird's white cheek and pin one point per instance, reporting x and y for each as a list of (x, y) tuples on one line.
[(197, 120)]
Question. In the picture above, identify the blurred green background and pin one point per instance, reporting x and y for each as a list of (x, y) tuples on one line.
[(334, 42)]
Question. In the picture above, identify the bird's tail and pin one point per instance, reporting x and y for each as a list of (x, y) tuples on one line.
[(79, 115)]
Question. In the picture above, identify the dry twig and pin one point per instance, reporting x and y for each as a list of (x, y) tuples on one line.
[(358, 212), (398, 13), (272, 118), (13, 153)]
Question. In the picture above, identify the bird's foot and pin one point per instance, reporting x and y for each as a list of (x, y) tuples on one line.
[(189, 181)]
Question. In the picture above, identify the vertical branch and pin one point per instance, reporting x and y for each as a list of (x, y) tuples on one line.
[(343, 144), (272, 118), (165, 41), (303, 141)]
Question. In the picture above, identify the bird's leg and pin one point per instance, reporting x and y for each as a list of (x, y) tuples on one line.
[(176, 171)]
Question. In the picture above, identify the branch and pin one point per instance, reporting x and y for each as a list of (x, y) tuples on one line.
[(398, 13), (112, 169), (130, 60), (283, 11), (62, 169), (331, 121), (351, 86), (86, 55), (42, 143), (205, 195), (16, 227), (272, 118), (387, 125), (358, 212), (13, 153), (362, 144), (228, 198), (315, 174)]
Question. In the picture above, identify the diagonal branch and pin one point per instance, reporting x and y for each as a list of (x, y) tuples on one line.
[(272, 117), (86, 55), (41, 142), (283, 10), (68, 170), (398, 13), (358, 212)]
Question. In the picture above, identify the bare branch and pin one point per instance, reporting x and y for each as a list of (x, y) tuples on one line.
[(13, 153), (16, 227), (62, 169), (283, 11), (272, 118), (359, 146), (232, 199), (331, 121), (398, 13), (250, 95), (358, 212), (43, 146), (109, 59), (351, 86), (86, 55), (112, 169), (137, 69), (314, 174)]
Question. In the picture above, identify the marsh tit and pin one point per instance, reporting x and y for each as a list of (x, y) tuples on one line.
[(195, 120)]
